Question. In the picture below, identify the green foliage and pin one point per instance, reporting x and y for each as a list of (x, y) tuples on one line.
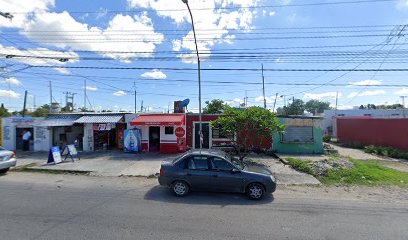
[(41, 111), (327, 138), (300, 165), (386, 151), (247, 123), (216, 106), (356, 145), (297, 107), (4, 111), (366, 172), (316, 106)]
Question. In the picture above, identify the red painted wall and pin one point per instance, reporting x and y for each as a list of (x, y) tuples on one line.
[(265, 143), (380, 132)]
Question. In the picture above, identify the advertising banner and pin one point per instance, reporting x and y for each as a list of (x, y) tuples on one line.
[(132, 141)]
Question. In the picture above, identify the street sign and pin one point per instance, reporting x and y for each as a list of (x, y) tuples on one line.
[(54, 155)]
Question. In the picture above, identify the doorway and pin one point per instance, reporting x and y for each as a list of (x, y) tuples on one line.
[(206, 135), (19, 138), (154, 139)]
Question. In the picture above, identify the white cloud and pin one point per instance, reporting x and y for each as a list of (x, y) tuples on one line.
[(106, 42), (31, 56), (155, 74), (90, 88), (403, 91), (366, 93), (212, 24), (12, 81), (9, 94), (101, 13), (366, 83), (119, 93), (272, 13), (319, 96)]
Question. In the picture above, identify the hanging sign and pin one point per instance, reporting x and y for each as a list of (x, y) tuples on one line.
[(103, 126), (70, 151), (54, 155)]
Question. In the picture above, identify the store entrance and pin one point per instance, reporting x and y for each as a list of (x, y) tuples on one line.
[(154, 139), (19, 138), (105, 140)]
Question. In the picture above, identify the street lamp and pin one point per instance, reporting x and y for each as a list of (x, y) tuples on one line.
[(199, 76)]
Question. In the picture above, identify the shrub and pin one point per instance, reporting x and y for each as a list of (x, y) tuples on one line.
[(300, 165), (386, 151), (326, 138), (369, 149)]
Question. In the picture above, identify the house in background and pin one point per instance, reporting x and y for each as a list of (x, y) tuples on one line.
[(302, 135)]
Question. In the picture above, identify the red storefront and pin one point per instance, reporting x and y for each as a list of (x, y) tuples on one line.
[(373, 131), (164, 133)]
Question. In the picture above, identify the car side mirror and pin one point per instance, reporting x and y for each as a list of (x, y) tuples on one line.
[(234, 170)]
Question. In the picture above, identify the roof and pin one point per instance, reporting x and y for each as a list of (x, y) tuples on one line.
[(159, 120), (100, 118), (59, 121)]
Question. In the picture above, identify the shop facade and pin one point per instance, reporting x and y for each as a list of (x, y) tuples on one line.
[(163, 133)]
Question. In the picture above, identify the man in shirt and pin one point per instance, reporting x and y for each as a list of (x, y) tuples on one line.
[(26, 140)]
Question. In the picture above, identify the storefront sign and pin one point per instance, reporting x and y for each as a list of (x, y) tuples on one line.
[(71, 151), (54, 155), (103, 126), (180, 132)]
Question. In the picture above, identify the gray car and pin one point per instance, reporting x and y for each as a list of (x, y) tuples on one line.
[(7, 160), (210, 170)]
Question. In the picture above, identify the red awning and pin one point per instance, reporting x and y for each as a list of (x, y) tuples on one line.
[(159, 120)]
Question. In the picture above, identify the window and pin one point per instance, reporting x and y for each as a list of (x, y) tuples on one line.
[(217, 133), (169, 130), (220, 164), (197, 163), (298, 134)]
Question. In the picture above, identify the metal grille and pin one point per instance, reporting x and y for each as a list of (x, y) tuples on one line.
[(298, 134)]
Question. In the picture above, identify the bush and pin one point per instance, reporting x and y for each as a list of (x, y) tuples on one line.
[(300, 165), (369, 149), (386, 151), (356, 145), (326, 138)]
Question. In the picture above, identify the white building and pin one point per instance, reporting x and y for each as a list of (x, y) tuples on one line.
[(329, 115)]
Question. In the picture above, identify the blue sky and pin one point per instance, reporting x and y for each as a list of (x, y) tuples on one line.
[(138, 33)]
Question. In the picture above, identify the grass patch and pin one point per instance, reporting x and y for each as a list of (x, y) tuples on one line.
[(28, 168), (366, 172), (300, 165)]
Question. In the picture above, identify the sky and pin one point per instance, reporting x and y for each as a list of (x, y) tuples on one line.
[(114, 48)]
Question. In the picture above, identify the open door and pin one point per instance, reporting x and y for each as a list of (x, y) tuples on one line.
[(154, 139), (206, 135)]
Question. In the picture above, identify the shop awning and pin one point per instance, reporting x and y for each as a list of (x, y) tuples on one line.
[(159, 120), (58, 121), (100, 119)]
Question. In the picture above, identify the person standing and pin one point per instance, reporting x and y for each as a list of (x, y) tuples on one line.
[(26, 140)]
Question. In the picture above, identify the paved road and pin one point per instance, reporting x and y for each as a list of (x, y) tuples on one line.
[(47, 206)]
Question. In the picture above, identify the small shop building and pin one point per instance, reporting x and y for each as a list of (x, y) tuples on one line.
[(163, 133), (302, 135)]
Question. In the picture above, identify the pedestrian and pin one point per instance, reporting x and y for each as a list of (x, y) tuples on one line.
[(26, 140)]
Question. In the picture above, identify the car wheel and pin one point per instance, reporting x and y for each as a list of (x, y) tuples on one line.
[(255, 191), (180, 188), (4, 170)]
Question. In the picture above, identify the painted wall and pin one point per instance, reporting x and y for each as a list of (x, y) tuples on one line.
[(380, 132), (315, 147)]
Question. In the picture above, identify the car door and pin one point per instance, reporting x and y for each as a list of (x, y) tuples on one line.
[(227, 179), (198, 173)]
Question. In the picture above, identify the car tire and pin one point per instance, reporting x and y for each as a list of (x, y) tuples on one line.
[(255, 191), (180, 188), (4, 170)]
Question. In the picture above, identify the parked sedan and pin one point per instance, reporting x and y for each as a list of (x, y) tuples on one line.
[(7, 160), (211, 170)]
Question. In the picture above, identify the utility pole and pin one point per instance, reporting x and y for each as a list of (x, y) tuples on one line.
[(25, 102), (34, 106), (134, 86), (337, 97), (263, 87), (50, 97), (84, 94), (246, 98), (141, 107), (274, 103), (69, 100), (403, 105)]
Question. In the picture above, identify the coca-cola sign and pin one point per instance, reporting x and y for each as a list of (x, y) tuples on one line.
[(180, 132)]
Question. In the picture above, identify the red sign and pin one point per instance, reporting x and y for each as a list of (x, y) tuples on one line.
[(180, 132)]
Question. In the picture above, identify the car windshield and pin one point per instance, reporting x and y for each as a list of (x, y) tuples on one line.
[(238, 164)]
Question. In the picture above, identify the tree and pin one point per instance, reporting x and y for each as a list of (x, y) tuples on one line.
[(41, 111), (247, 127), (4, 111), (297, 107), (316, 106), (216, 106)]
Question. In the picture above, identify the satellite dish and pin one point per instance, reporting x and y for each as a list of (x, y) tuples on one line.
[(184, 103)]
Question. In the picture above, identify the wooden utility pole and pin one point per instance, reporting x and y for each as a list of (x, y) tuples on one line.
[(25, 102)]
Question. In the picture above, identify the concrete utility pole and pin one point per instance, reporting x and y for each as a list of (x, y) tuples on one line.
[(134, 86), (25, 102), (274, 103), (50, 97), (141, 107), (263, 87), (199, 76), (84, 94), (69, 100), (337, 97), (403, 105)]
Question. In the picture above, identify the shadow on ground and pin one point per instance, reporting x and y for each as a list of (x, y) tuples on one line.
[(163, 194)]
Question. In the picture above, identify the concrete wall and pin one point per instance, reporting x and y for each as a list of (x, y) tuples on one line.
[(315, 147), (380, 132)]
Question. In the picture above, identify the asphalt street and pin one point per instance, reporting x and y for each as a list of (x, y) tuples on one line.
[(50, 206)]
